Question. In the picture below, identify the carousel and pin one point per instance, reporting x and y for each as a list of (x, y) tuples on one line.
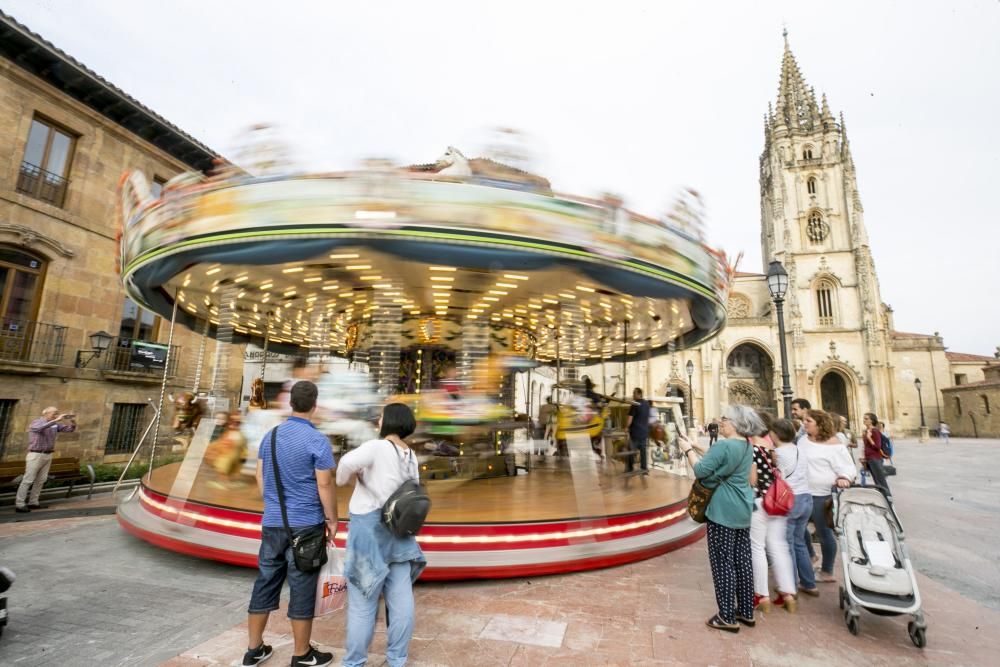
[(447, 286)]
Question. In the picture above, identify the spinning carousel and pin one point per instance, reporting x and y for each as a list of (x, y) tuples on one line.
[(439, 285)]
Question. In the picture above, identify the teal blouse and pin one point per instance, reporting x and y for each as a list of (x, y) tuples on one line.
[(726, 468)]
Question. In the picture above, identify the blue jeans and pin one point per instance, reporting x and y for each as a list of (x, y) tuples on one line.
[(827, 540), (796, 535), (275, 562), (397, 589), (640, 445)]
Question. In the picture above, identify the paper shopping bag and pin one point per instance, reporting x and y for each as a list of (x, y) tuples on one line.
[(331, 587)]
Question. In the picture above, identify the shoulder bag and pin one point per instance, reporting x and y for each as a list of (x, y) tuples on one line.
[(308, 546), (779, 499)]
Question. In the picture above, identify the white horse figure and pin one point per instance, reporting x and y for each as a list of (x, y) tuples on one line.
[(455, 163)]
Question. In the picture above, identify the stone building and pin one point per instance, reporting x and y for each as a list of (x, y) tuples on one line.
[(844, 353), (972, 408), (69, 135)]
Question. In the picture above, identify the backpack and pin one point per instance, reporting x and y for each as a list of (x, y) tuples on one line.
[(886, 447), (405, 511)]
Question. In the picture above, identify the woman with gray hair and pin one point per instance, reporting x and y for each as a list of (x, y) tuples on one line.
[(729, 469)]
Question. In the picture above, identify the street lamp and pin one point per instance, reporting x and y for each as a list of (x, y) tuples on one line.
[(777, 285), (923, 423), (99, 342), (690, 369)]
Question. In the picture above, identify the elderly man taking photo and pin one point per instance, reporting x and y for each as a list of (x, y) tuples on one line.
[(41, 443)]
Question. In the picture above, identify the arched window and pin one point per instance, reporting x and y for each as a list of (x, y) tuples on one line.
[(816, 229), (958, 406), (811, 185), (825, 303), (807, 153), (986, 403)]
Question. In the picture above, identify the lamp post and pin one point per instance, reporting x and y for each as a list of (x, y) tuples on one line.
[(923, 423), (777, 285), (690, 369), (99, 342)]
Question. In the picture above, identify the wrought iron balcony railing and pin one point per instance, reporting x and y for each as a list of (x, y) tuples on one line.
[(127, 355), (31, 342), (40, 184)]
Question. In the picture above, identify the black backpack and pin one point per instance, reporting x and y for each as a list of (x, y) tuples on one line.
[(406, 509)]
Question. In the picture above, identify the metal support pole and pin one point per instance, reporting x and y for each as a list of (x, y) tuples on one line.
[(786, 388), (163, 384), (625, 393), (267, 339)]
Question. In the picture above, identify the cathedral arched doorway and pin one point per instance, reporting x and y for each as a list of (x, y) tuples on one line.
[(834, 395), (750, 376)]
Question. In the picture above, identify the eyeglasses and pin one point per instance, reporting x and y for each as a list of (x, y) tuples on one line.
[(724, 419)]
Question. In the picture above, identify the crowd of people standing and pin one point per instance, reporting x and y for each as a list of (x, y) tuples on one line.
[(747, 545)]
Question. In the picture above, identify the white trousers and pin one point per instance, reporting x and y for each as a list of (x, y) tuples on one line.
[(769, 541), (36, 469)]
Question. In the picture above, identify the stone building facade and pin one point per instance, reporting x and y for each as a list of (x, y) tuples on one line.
[(844, 353), (69, 135), (972, 408)]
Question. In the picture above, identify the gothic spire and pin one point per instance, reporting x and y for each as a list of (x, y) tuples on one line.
[(796, 105)]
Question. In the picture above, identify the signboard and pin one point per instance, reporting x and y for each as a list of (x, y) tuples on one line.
[(148, 356)]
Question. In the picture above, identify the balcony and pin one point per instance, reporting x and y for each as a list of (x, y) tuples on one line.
[(130, 360), (34, 181), (30, 347)]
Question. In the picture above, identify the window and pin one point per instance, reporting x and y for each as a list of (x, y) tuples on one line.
[(961, 378), (816, 229), (126, 427), (46, 162), (20, 290), (137, 323), (156, 187), (958, 406), (824, 303), (811, 185), (6, 416), (986, 403), (807, 153)]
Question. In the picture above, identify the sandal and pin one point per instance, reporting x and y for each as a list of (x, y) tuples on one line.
[(761, 602), (719, 624), (788, 601)]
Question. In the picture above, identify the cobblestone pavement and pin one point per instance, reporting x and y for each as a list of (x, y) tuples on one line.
[(90, 594)]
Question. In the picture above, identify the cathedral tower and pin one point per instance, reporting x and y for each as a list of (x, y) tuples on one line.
[(813, 222)]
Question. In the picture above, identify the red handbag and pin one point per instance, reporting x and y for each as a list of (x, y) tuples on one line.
[(778, 499)]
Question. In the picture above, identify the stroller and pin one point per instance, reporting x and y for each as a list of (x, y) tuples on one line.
[(878, 575)]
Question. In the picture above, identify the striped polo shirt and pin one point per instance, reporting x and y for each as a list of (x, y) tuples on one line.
[(302, 450)]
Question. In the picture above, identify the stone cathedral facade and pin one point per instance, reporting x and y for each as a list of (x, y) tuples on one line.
[(844, 354)]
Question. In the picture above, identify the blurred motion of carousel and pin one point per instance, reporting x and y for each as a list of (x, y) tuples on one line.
[(448, 286)]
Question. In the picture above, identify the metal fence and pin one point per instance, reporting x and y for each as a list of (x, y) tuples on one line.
[(32, 342), (127, 355), (40, 184)]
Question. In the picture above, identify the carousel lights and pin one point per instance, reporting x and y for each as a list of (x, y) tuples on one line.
[(553, 301), (448, 279), (345, 255), (358, 267), (371, 277), (499, 292), (508, 285), (212, 272), (584, 288), (240, 279), (567, 295), (266, 286), (331, 287), (442, 268), (515, 276), (312, 279), (293, 269), (490, 298)]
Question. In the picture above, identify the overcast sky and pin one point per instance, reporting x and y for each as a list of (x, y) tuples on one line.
[(635, 98)]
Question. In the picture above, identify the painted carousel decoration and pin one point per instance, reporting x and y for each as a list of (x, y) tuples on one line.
[(438, 284)]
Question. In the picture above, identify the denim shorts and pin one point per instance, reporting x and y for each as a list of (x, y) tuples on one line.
[(275, 562)]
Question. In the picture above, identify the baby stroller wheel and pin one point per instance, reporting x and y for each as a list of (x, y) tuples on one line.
[(918, 635), (853, 622), (843, 598)]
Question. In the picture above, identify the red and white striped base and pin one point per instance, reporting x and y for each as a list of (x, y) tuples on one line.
[(453, 550)]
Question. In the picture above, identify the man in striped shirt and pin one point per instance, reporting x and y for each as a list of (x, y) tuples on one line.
[(41, 443)]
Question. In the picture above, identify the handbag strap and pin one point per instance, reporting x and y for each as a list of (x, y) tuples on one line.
[(277, 481)]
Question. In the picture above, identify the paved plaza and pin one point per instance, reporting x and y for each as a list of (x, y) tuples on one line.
[(89, 594)]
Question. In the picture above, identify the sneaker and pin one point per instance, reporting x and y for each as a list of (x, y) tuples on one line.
[(36, 506), (22, 509), (313, 658), (255, 656)]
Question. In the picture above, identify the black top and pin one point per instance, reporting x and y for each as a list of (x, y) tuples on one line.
[(639, 430), (765, 473), (713, 428)]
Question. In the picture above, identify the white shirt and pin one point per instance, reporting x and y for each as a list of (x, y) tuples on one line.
[(826, 463), (382, 467), (794, 468)]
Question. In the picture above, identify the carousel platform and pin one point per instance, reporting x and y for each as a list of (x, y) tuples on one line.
[(563, 517)]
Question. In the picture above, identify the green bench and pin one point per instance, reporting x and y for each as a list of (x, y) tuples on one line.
[(63, 469)]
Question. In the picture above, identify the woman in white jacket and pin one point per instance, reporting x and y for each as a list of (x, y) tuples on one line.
[(830, 465)]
